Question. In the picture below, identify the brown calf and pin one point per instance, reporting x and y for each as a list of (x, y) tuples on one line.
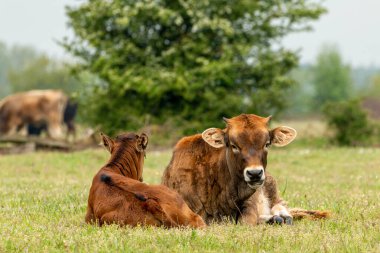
[(118, 196), (222, 172)]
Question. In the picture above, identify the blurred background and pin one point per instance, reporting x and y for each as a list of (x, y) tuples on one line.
[(172, 68)]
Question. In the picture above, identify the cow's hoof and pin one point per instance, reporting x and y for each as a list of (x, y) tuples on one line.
[(288, 220), (276, 220)]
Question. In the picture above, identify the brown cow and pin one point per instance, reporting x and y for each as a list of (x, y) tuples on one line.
[(117, 195), (33, 107), (222, 173)]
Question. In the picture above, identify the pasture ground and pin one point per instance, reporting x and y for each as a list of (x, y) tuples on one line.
[(43, 199)]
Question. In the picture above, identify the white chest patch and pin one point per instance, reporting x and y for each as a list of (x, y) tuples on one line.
[(263, 205)]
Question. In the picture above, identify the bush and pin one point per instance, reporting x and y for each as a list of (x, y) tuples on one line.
[(350, 123)]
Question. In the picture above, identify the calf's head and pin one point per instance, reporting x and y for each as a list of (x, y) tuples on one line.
[(246, 140), (128, 151)]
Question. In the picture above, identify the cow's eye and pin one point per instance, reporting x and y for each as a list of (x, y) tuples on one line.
[(235, 149)]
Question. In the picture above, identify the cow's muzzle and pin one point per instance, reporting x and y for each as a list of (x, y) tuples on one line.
[(254, 176)]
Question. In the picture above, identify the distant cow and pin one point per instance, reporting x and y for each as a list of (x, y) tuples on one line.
[(221, 173), (39, 108), (69, 114), (118, 196)]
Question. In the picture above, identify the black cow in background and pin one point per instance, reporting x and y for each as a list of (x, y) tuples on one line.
[(68, 119)]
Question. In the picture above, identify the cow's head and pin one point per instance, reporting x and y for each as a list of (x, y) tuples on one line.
[(128, 150), (246, 140)]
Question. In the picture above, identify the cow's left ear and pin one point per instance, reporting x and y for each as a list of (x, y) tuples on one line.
[(142, 142), (214, 137), (282, 136), (107, 142)]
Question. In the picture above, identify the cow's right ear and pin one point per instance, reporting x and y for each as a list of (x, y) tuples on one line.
[(107, 142), (214, 137)]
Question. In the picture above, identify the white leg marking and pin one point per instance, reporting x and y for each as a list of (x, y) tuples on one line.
[(280, 210)]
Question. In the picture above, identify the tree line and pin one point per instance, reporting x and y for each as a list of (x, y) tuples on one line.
[(24, 68), (189, 63)]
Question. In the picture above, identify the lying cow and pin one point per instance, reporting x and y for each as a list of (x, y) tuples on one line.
[(222, 173), (118, 196), (33, 108)]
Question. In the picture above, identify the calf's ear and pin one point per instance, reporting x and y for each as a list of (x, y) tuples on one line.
[(214, 137), (142, 142), (282, 136), (108, 143)]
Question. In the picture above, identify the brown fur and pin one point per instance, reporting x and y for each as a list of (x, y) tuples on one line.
[(117, 195), (211, 178), (33, 107)]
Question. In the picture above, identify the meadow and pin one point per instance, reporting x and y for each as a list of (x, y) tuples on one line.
[(43, 198)]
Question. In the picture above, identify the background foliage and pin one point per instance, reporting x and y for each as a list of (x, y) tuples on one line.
[(185, 60), (23, 68), (332, 78), (350, 123)]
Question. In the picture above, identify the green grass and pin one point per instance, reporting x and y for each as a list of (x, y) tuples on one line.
[(43, 200)]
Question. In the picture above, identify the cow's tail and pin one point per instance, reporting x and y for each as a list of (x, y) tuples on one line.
[(107, 179), (299, 213), (150, 204)]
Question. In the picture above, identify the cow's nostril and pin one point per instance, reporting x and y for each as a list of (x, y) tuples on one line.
[(253, 174)]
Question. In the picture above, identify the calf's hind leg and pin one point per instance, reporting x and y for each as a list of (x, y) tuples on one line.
[(109, 218)]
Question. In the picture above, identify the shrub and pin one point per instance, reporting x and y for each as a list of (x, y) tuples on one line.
[(350, 123)]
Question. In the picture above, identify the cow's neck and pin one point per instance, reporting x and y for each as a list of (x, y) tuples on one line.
[(238, 189), (126, 162)]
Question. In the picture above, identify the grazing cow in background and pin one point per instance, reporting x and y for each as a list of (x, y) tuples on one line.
[(37, 108), (118, 196), (222, 172)]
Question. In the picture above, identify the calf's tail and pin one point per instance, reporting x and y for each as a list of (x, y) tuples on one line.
[(299, 213)]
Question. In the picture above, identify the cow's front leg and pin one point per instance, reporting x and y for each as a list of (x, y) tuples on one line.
[(255, 208), (281, 211), (249, 216), (252, 216), (278, 209)]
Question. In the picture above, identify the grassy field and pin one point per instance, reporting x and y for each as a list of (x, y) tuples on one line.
[(43, 200)]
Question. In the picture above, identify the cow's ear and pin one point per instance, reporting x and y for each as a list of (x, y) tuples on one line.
[(214, 137), (282, 136), (108, 143), (142, 142)]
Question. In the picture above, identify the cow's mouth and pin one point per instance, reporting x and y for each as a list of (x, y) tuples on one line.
[(254, 176), (255, 184)]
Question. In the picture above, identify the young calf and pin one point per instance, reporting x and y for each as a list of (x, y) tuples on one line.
[(118, 196)]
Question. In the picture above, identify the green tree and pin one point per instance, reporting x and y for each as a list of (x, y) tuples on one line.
[(332, 77), (374, 88), (43, 73), (4, 66), (194, 61), (349, 122), (15, 58), (24, 68)]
